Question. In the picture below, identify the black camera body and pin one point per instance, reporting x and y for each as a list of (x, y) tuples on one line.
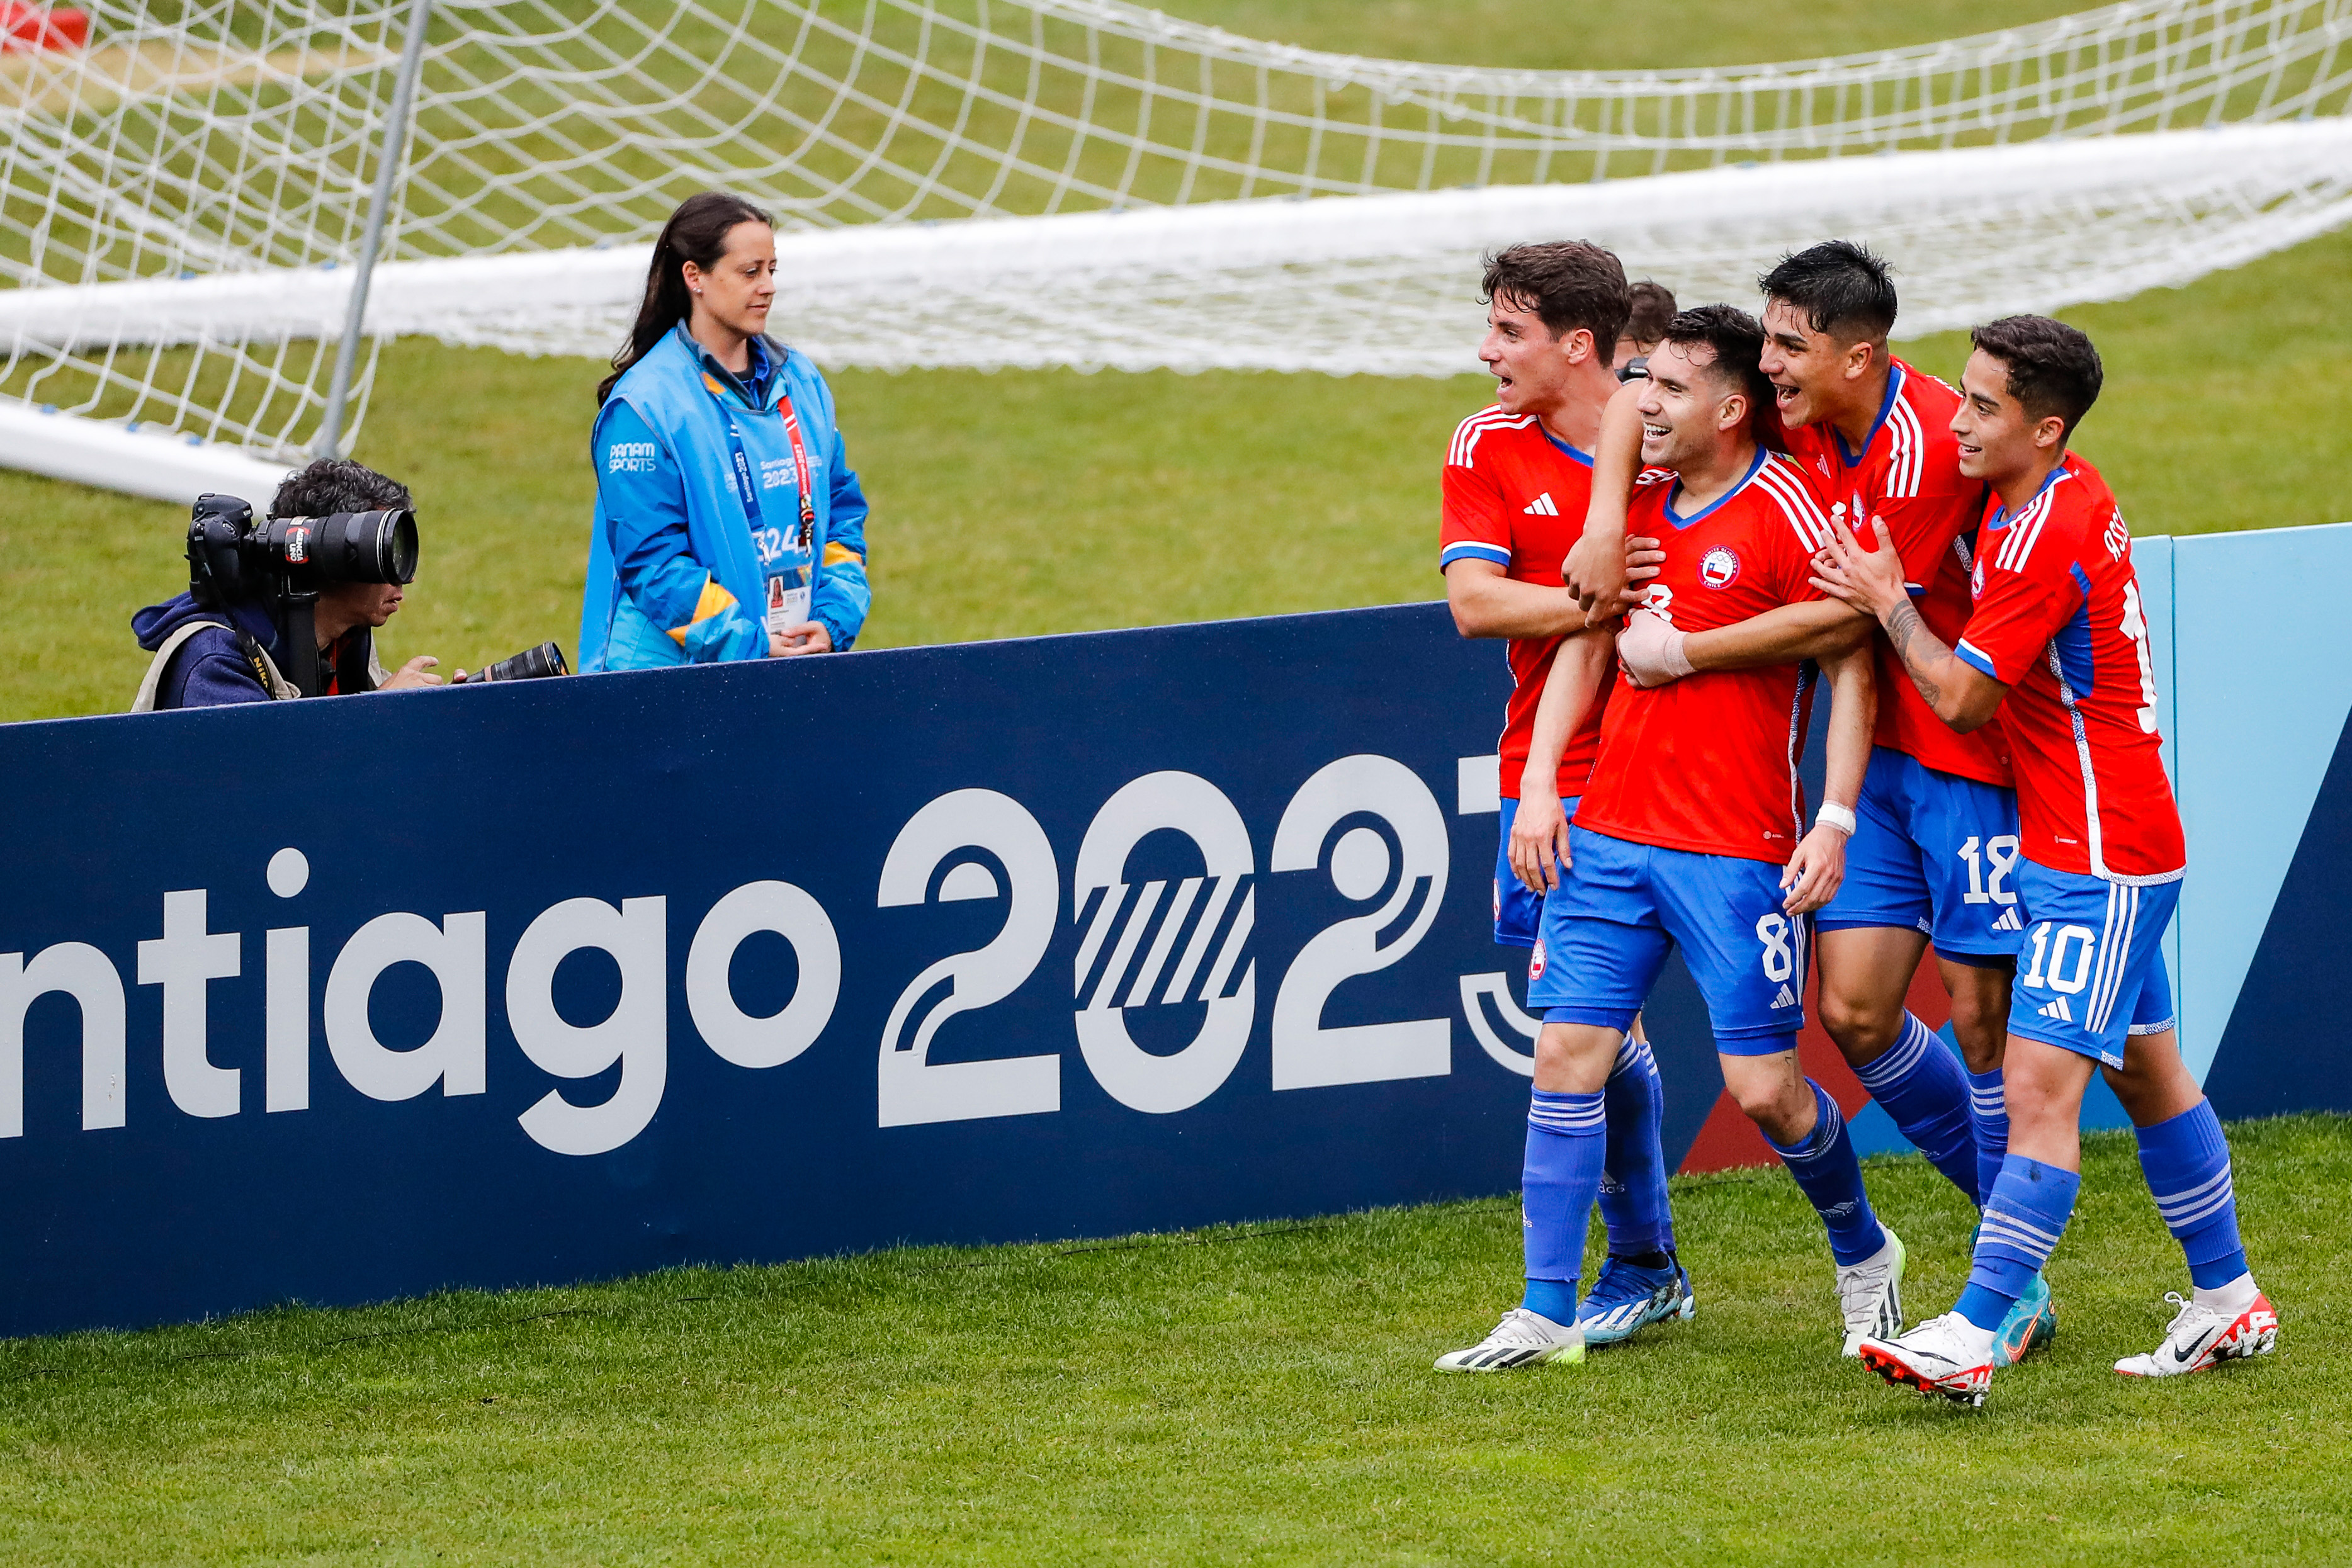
[(283, 562)]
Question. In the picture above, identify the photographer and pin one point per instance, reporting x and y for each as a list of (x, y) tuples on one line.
[(215, 647)]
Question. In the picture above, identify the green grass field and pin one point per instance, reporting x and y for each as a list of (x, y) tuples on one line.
[(1028, 502), (1260, 1395)]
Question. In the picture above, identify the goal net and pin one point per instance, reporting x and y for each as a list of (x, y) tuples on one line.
[(1000, 183)]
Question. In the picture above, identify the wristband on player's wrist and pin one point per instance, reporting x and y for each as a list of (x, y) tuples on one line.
[(1832, 815)]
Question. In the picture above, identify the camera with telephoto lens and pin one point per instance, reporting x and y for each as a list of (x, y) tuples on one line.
[(281, 563), (530, 665), (232, 557)]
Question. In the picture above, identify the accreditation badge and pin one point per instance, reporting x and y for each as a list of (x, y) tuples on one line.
[(788, 598)]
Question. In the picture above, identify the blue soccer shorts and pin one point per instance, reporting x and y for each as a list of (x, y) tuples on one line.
[(2091, 971), (1607, 928), (1518, 914), (1936, 852)]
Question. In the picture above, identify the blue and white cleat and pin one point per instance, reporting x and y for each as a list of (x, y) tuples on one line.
[(1522, 1339), (1627, 1298), (1870, 1293), (2031, 1323)]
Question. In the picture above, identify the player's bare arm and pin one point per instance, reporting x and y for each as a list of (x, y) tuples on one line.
[(1540, 831), (1871, 582), (1655, 653), (1817, 867), (1487, 601), (1593, 571)]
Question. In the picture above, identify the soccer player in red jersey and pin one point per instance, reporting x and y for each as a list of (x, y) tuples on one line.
[(1517, 480), (1691, 833), (1935, 851), (2057, 644)]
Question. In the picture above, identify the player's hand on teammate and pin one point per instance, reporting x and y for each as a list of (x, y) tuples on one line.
[(1870, 578), (1811, 876), (1644, 560), (1650, 649), (1539, 842)]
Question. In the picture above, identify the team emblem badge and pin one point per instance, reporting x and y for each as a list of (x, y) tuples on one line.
[(1536, 961), (1719, 568), (1976, 579)]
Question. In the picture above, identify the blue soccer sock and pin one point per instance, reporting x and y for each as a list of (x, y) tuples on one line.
[(1924, 1088), (1988, 1107), (2027, 1212), (1557, 1188), (2187, 1163), (1828, 1173), (1634, 1203)]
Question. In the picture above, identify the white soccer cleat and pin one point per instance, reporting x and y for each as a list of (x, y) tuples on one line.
[(1870, 1294), (1522, 1339), (2202, 1338), (1947, 1356)]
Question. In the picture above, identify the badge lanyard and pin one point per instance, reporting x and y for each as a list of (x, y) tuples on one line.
[(789, 591)]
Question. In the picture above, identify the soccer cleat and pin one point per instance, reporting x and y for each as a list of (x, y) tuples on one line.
[(1870, 1294), (1522, 1339), (1627, 1298), (2202, 1338), (2031, 1323), (1936, 1358)]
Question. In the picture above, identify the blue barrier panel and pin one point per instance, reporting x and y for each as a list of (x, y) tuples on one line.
[(343, 1000)]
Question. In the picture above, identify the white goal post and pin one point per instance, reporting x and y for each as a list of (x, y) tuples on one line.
[(182, 204)]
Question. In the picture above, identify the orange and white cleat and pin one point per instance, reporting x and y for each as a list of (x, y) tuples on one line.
[(1949, 1357), (2202, 1338)]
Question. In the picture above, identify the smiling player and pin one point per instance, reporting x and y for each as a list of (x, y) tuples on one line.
[(2058, 645), (1936, 849), (1518, 481), (1691, 833)]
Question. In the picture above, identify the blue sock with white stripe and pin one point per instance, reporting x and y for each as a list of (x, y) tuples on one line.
[(1924, 1088), (1557, 1188), (2187, 1163), (1634, 1203), (1829, 1174), (1989, 1106), (2027, 1213)]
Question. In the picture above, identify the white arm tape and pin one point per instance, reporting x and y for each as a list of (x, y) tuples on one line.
[(1832, 815)]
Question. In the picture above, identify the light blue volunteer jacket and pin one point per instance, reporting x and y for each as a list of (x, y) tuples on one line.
[(677, 564)]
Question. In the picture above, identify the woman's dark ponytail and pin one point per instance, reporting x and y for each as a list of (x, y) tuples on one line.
[(698, 233)]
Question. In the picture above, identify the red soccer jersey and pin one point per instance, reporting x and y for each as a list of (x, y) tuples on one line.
[(1708, 763), (1908, 471), (1516, 496), (2058, 620)]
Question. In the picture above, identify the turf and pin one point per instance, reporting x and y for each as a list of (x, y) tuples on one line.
[(1259, 1393), (1019, 503)]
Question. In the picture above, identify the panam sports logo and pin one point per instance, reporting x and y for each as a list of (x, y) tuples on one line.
[(1719, 568), (631, 457)]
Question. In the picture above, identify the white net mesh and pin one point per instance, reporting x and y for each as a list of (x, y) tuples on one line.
[(1073, 182)]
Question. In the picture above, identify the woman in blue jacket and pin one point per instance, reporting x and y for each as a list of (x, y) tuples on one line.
[(728, 523)]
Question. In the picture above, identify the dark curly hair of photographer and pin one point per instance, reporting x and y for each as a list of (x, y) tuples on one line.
[(229, 638)]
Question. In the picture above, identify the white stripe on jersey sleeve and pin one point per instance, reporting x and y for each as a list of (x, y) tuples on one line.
[(2025, 533), (1904, 454), (1782, 480), (1466, 433)]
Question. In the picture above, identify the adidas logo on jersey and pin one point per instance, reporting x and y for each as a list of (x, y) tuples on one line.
[(2059, 1009), (1787, 998), (1542, 506), (2008, 920)]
